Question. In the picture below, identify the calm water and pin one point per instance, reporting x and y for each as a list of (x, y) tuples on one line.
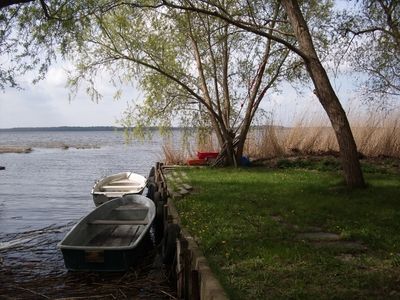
[(45, 192), (51, 185)]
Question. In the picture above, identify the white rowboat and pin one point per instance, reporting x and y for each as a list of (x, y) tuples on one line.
[(117, 185)]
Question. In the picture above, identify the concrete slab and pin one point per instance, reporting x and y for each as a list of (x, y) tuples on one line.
[(187, 187)]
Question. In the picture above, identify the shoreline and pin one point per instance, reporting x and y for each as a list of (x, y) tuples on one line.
[(15, 149)]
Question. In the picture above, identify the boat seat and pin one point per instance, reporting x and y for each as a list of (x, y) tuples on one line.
[(118, 222), (121, 181), (114, 194), (120, 187)]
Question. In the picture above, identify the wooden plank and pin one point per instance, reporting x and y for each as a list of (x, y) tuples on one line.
[(122, 236), (118, 222), (101, 237), (119, 235)]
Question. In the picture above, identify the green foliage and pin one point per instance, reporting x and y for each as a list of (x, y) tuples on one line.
[(371, 33), (247, 220)]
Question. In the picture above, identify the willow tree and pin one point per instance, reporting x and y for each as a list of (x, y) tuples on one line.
[(192, 67), (300, 40), (371, 32), (155, 42), (34, 33)]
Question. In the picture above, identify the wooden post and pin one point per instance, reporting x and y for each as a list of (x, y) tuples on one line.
[(195, 285), (179, 270), (187, 268)]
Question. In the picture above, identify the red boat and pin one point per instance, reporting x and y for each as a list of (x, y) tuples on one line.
[(197, 162), (205, 155)]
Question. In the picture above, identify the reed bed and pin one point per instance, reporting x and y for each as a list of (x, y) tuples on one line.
[(376, 135), (172, 155)]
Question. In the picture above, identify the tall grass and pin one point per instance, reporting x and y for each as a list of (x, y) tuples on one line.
[(173, 156), (376, 135)]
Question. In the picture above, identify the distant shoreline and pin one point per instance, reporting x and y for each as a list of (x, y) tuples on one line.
[(68, 128), (91, 128)]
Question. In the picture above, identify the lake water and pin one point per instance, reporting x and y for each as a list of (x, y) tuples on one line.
[(45, 192), (51, 185)]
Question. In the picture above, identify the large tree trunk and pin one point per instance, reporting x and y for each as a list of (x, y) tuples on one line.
[(327, 96)]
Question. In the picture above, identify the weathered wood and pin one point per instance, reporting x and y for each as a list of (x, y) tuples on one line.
[(179, 271), (187, 267), (195, 285), (115, 236)]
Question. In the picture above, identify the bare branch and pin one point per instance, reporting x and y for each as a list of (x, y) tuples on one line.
[(5, 3)]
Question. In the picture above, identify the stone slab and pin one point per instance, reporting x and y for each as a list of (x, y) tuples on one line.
[(187, 187)]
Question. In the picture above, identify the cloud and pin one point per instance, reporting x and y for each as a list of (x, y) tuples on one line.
[(47, 104)]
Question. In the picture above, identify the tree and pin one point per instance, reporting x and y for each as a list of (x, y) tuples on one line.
[(120, 43), (306, 50), (193, 67), (33, 33), (371, 33), (21, 23), (326, 96)]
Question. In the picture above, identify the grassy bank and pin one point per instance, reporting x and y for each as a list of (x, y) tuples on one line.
[(254, 226)]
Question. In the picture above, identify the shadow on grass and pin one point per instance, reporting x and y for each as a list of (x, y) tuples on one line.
[(257, 257)]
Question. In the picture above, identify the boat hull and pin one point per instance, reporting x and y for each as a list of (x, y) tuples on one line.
[(104, 260), (117, 185), (110, 238)]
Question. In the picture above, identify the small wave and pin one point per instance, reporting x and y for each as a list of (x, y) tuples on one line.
[(12, 243)]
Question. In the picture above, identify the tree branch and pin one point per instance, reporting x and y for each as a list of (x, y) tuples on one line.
[(5, 3), (238, 23)]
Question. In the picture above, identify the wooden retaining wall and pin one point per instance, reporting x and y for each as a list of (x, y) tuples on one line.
[(194, 278)]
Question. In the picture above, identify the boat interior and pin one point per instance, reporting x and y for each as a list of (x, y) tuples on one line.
[(120, 185), (119, 227)]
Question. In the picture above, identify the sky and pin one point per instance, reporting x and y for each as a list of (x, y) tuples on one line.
[(47, 103)]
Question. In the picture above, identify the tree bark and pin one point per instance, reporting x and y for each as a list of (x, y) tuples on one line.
[(327, 97)]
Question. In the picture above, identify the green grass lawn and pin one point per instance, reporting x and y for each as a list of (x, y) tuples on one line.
[(247, 221)]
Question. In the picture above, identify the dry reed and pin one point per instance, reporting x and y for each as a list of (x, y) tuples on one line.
[(173, 156), (376, 135)]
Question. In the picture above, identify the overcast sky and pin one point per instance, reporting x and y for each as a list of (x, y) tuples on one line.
[(47, 103)]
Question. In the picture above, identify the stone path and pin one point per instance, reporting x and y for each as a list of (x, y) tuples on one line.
[(176, 182), (178, 188), (321, 239)]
